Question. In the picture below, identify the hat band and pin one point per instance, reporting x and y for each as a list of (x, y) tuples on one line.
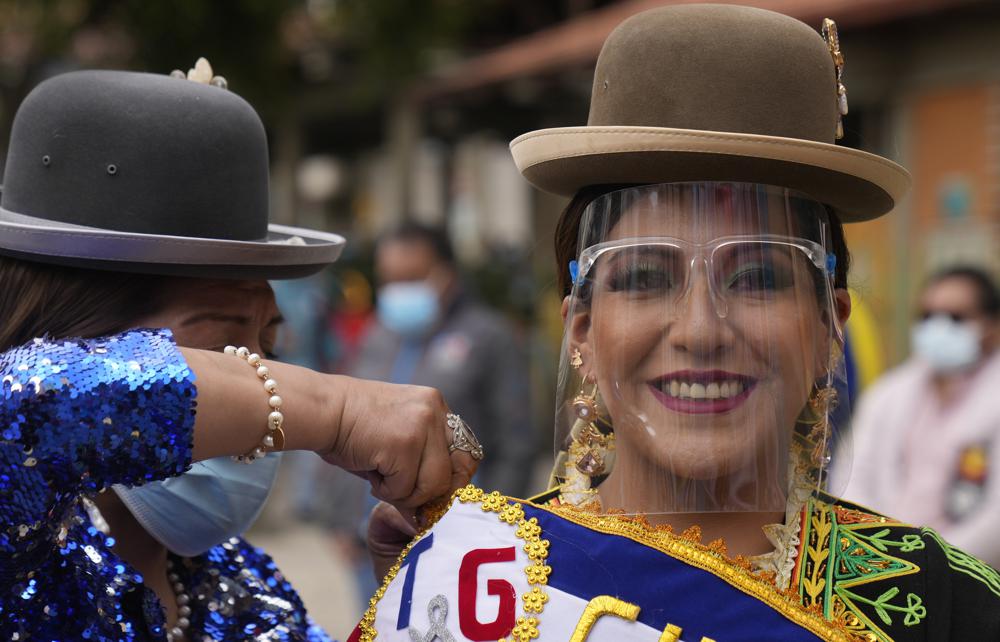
[(31, 235)]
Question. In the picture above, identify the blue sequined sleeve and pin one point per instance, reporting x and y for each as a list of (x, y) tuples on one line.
[(79, 415)]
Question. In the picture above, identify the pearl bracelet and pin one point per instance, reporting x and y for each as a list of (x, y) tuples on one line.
[(274, 438)]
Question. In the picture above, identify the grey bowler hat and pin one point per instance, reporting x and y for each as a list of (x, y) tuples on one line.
[(137, 172)]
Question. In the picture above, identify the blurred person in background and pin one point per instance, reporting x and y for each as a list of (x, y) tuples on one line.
[(430, 331), (927, 435)]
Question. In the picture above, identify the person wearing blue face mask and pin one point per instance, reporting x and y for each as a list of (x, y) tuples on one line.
[(432, 332), (141, 414), (927, 435)]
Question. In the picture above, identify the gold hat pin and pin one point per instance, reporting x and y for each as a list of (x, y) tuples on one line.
[(201, 72), (829, 32)]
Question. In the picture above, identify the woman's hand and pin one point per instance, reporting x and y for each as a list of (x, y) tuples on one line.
[(397, 437), (388, 534)]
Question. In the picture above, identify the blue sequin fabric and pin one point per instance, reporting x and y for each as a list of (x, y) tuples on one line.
[(76, 417)]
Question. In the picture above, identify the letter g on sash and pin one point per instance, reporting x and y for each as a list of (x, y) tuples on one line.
[(468, 573)]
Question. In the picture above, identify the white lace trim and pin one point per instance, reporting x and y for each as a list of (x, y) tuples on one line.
[(785, 537)]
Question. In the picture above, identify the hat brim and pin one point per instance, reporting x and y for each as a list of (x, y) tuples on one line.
[(860, 186), (286, 252)]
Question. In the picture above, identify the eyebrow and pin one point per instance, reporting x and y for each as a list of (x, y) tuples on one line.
[(228, 318)]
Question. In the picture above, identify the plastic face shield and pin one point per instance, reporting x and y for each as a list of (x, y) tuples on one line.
[(702, 360)]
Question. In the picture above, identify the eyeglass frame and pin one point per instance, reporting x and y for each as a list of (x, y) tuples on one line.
[(825, 261)]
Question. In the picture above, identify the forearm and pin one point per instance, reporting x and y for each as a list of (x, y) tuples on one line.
[(233, 405), (392, 435)]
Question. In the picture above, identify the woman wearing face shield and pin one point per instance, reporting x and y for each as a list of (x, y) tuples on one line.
[(704, 269), (133, 220)]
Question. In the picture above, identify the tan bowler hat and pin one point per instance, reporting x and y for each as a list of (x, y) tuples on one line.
[(716, 92)]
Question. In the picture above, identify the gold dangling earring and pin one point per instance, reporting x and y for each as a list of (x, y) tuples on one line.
[(592, 445), (585, 405), (593, 437), (821, 404)]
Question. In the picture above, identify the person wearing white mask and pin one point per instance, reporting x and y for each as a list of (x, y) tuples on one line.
[(927, 435), (432, 332)]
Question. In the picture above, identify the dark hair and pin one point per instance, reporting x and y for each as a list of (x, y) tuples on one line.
[(568, 232), (986, 288), (38, 299), (434, 237)]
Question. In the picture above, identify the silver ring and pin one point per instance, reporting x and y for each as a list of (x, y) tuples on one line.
[(463, 438)]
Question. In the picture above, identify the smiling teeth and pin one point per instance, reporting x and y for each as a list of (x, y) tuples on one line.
[(714, 390)]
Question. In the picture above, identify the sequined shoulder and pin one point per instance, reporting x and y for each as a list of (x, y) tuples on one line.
[(238, 590), (77, 416)]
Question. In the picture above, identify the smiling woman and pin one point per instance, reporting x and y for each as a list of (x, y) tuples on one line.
[(691, 309), (701, 380)]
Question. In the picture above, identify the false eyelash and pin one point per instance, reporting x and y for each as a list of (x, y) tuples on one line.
[(622, 277)]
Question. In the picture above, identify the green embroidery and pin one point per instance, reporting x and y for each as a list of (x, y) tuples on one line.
[(862, 558), (908, 544), (914, 609), (838, 557), (964, 563), (858, 561)]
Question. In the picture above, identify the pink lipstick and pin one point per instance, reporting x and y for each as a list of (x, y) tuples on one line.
[(702, 391)]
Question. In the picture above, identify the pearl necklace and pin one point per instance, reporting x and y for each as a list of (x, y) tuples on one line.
[(177, 633)]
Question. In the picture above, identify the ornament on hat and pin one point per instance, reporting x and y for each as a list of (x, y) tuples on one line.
[(829, 32), (201, 72)]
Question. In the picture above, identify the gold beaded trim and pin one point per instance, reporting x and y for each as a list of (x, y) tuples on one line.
[(711, 558), (527, 530)]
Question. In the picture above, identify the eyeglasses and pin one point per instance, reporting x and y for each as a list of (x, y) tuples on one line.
[(741, 269)]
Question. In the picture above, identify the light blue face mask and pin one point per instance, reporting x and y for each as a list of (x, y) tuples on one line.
[(410, 308), (215, 500), (946, 345)]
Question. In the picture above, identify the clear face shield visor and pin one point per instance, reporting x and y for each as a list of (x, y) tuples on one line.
[(702, 360)]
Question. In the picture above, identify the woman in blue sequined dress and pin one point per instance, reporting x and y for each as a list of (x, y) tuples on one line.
[(139, 201)]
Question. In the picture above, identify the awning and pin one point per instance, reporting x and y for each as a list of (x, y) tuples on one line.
[(576, 42)]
